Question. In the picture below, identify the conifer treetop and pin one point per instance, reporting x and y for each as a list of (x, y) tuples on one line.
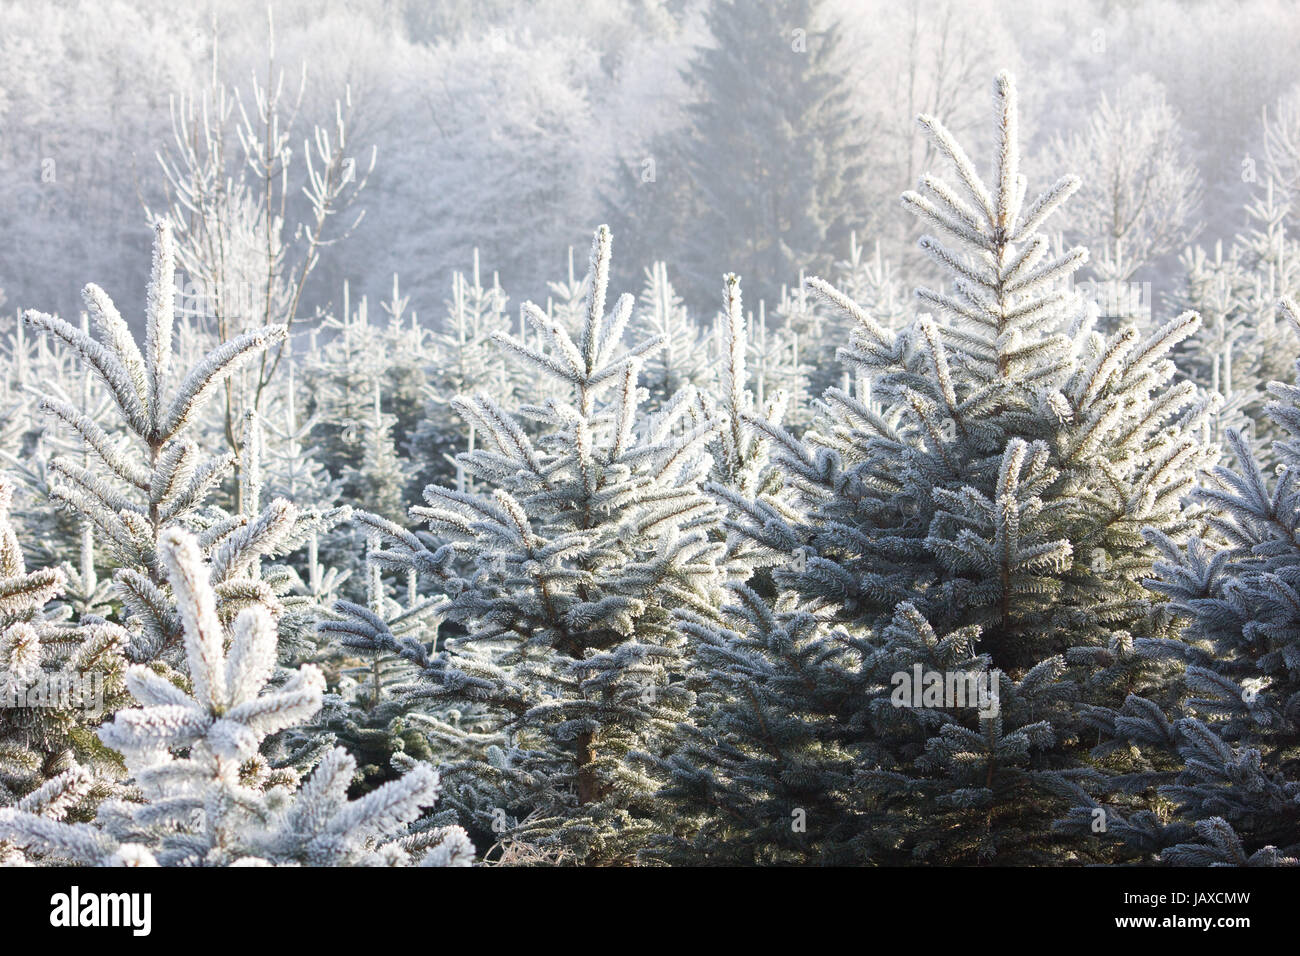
[(133, 498), (137, 381), (209, 798)]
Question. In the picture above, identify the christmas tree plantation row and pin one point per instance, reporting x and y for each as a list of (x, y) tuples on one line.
[(991, 597)]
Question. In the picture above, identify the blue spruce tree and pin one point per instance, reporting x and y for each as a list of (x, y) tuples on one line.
[(1222, 755), (976, 526), (563, 568)]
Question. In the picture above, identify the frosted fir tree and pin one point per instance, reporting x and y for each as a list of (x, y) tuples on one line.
[(772, 182), (773, 348), (1268, 248), (288, 467), (1008, 397), (161, 477), (564, 571), (1243, 343), (1001, 492), (684, 358), (410, 355), (58, 680), (567, 297), (377, 482), (870, 281), (87, 593), (795, 329), (19, 438), (771, 771), (462, 360), (566, 305), (207, 796), (339, 374), (1224, 754), (292, 466), (739, 452), (51, 534), (1271, 260), (815, 333), (1215, 288), (301, 601), (364, 353), (873, 283), (15, 418), (368, 711)]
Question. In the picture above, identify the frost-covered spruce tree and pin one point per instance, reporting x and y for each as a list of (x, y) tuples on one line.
[(1225, 755), (302, 599), (58, 681), (207, 797), (367, 710), (377, 481), (774, 182), (1242, 344), (86, 592), (462, 360), (566, 301), (772, 357), (159, 476), (342, 376), (739, 452), (1266, 246), (408, 356), (1000, 491), (871, 282), (684, 358), (290, 467), (564, 570), (291, 463), (1007, 407), (50, 534), (1219, 356), (781, 763)]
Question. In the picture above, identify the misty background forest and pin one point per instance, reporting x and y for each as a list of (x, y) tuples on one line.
[(649, 432)]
